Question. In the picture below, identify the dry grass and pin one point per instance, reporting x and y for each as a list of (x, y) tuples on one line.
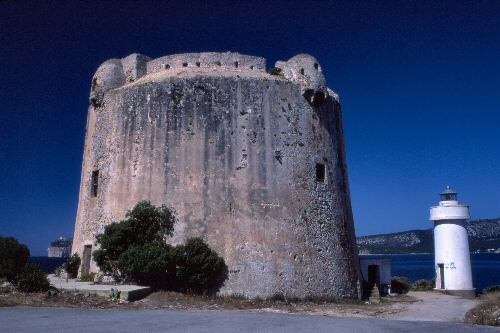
[(487, 312), (178, 301), (61, 300)]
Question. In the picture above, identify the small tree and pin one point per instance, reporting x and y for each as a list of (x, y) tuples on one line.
[(72, 263), (151, 265), (13, 257), (134, 249), (144, 224)]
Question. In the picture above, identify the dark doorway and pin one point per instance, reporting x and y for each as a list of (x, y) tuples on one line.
[(87, 256), (374, 275), (373, 279), (441, 276)]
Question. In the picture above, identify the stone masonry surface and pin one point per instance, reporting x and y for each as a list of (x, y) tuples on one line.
[(251, 162)]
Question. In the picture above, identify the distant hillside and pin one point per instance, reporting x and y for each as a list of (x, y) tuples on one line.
[(484, 235)]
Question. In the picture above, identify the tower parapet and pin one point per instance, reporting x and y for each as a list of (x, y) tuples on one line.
[(306, 70), (208, 60)]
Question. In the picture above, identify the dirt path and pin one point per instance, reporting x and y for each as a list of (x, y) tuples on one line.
[(432, 306)]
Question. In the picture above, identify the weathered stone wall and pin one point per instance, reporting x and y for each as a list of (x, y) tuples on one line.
[(235, 151)]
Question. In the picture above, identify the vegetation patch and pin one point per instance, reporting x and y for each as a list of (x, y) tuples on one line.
[(198, 268), (72, 264), (400, 284), (13, 257), (32, 279), (491, 289), (87, 277), (277, 297), (15, 268), (424, 285), (168, 300), (487, 312), (134, 250)]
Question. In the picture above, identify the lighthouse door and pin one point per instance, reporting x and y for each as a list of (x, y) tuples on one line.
[(441, 276)]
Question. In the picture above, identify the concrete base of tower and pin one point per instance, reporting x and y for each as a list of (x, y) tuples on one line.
[(467, 293)]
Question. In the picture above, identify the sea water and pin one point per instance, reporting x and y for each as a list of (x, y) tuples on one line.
[(485, 267), (48, 264)]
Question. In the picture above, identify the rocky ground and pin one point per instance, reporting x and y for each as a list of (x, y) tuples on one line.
[(413, 306)]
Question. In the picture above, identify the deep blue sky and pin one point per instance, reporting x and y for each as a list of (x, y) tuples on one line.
[(419, 82)]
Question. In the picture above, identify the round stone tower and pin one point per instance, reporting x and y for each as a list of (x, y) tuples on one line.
[(451, 245), (253, 163)]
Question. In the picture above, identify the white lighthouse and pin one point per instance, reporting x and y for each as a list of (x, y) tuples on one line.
[(451, 245)]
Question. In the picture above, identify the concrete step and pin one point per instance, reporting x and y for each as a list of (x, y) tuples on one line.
[(128, 292)]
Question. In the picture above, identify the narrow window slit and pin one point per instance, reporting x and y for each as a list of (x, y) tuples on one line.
[(94, 184), (320, 172)]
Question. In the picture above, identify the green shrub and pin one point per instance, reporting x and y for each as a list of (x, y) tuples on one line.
[(51, 292), (238, 296), (73, 263), (199, 269), (32, 279), (59, 270), (491, 289), (87, 277), (114, 293), (277, 297), (424, 285), (150, 265), (400, 285), (13, 257)]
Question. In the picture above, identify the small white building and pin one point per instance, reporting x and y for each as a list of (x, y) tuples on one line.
[(451, 246), (376, 271)]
